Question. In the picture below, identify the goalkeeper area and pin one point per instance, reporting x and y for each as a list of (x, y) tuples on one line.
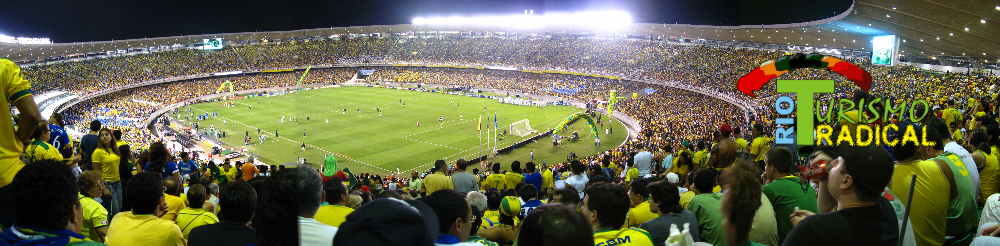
[(521, 128), (370, 130)]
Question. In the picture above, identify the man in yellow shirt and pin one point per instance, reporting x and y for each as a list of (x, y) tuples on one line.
[(761, 143), (335, 193), (741, 144), (514, 177), (142, 225), (437, 180), (547, 179), (951, 114), (701, 156), (195, 216), (230, 171), (639, 195), (606, 206), (495, 180), (173, 190), (929, 211), (18, 92)]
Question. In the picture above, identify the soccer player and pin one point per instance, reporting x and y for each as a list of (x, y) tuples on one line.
[(441, 118), (303, 132), (418, 123), (303, 146), (261, 139), (275, 134), (606, 206), (307, 118)]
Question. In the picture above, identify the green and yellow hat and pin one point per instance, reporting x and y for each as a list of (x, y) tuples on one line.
[(510, 206)]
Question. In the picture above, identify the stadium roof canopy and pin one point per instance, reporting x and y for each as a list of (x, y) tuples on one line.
[(968, 29)]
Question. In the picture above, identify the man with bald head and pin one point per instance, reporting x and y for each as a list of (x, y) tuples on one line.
[(724, 153)]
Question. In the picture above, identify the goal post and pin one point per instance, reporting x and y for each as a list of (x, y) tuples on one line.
[(521, 128)]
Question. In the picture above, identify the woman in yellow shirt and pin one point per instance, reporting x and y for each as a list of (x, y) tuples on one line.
[(95, 217), (40, 149), (986, 162), (106, 160)]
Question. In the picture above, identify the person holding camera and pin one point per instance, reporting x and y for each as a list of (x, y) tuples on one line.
[(853, 211)]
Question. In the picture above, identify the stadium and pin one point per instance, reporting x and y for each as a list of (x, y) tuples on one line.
[(601, 104)]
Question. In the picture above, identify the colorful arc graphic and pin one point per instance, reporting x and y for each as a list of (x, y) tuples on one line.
[(757, 78)]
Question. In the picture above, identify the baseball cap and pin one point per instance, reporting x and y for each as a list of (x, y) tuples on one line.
[(510, 206), (388, 221), (725, 128)]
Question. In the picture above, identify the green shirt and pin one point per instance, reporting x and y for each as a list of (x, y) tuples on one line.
[(706, 208), (785, 194), (962, 215)]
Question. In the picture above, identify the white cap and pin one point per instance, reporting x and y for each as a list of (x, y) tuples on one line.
[(936, 107), (673, 178)]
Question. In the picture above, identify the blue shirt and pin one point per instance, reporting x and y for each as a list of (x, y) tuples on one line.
[(188, 167), (88, 144), (529, 206), (668, 162), (534, 179), (58, 137), (167, 170)]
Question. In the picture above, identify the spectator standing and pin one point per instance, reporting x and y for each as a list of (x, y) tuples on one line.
[(462, 180), (125, 165), (643, 161), (160, 162), (495, 180), (335, 193), (249, 171), (143, 225), (929, 211), (437, 180), (188, 168), (579, 178), (233, 228), (44, 197), (106, 160), (88, 143), (547, 179), (533, 177), (514, 177)]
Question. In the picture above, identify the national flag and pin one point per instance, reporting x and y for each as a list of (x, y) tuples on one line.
[(495, 120), (480, 125)]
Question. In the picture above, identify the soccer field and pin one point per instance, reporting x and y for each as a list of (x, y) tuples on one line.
[(374, 143)]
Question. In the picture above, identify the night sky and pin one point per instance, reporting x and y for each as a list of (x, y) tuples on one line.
[(100, 20)]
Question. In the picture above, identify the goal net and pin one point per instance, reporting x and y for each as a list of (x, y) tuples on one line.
[(521, 128)]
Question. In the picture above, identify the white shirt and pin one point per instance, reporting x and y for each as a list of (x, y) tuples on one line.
[(311, 232), (970, 164), (643, 162), (578, 181)]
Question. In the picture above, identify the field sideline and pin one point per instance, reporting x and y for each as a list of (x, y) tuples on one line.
[(380, 144)]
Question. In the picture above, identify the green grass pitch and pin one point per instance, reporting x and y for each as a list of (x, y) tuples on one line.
[(380, 144)]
